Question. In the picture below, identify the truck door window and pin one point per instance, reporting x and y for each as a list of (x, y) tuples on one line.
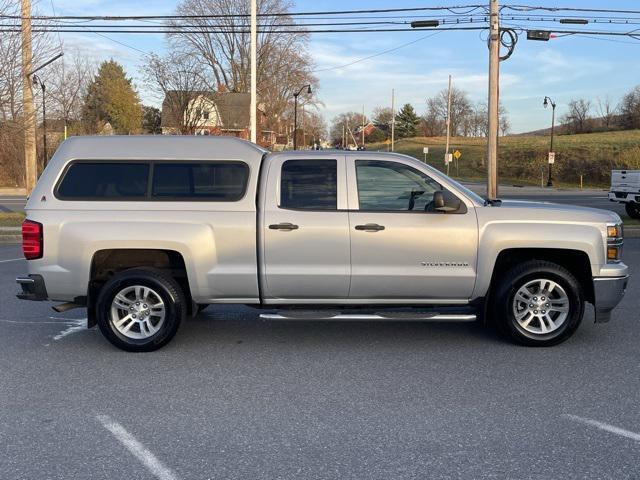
[(309, 184), (392, 186)]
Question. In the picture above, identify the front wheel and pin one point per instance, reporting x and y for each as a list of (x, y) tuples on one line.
[(632, 209), (140, 310), (538, 303)]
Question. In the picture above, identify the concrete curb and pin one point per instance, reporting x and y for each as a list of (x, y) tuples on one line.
[(10, 235), (631, 232), (10, 238)]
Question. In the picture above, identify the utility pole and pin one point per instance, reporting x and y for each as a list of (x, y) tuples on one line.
[(494, 75), (29, 121), (446, 153), (254, 71), (393, 119)]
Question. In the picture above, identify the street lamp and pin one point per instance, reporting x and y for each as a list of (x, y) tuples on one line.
[(546, 103), (38, 82), (295, 114)]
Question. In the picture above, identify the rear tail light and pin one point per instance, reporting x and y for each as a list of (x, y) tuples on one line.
[(32, 240)]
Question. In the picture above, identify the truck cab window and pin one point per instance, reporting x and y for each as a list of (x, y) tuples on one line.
[(392, 186), (309, 184)]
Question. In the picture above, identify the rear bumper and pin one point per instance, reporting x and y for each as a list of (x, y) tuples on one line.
[(608, 294), (33, 288)]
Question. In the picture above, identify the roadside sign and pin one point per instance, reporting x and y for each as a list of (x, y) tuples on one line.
[(457, 154), (552, 158), (425, 150), (448, 158)]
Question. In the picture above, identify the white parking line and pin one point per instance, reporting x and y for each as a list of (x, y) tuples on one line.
[(11, 260), (137, 449), (606, 427), (74, 325)]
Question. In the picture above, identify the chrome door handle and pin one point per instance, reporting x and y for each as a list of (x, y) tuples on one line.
[(370, 227), (283, 226)]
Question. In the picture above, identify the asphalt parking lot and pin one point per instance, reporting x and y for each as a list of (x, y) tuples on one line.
[(234, 397)]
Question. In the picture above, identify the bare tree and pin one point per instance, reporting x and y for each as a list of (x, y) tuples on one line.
[(315, 128), (505, 125), (577, 118), (11, 62), (382, 116), (11, 120), (349, 121), (460, 109), (607, 111), (220, 36), (630, 109), (179, 80), (67, 83)]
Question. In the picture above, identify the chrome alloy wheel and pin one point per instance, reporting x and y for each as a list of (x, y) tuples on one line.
[(137, 312), (541, 306)]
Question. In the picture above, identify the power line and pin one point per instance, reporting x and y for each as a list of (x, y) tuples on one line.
[(530, 8), (376, 54), (278, 14), (231, 31), (196, 26)]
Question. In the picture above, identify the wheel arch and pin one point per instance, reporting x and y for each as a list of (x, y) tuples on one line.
[(108, 262), (575, 261)]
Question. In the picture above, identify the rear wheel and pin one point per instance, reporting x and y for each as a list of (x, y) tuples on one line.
[(538, 303), (140, 310), (632, 209)]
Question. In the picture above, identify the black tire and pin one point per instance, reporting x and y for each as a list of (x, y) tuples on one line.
[(164, 285), (632, 209), (502, 313)]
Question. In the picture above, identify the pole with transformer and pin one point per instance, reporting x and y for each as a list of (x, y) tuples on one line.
[(254, 71), (29, 125), (494, 75)]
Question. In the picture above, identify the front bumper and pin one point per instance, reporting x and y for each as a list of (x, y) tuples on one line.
[(624, 197), (33, 288), (608, 294)]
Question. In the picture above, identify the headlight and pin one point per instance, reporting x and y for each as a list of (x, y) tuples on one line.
[(615, 240)]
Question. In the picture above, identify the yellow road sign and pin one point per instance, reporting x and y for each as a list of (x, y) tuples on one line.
[(457, 154)]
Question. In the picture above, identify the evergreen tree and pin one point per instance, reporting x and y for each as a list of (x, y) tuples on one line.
[(151, 120), (111, 97), (407, 122)]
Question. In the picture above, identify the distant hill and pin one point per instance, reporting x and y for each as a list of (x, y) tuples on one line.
[(562, 128), (523, 158)]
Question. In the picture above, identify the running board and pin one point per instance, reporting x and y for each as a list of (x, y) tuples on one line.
[(369, 317)]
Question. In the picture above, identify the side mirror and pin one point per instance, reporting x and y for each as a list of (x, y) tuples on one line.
[(444, 201)]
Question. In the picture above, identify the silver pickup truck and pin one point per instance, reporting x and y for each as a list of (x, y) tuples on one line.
[(144, 231)]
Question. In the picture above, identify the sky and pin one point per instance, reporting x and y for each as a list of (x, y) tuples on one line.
[(563, 68)]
